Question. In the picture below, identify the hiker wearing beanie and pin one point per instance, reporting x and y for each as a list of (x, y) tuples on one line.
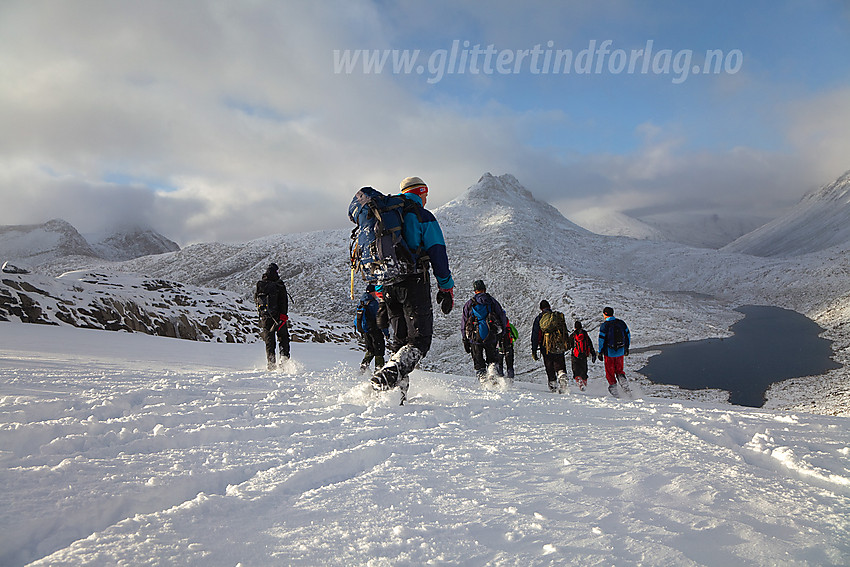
[(614, 341), (408, 301), (367, 322), (549, 334), (272, 306), (581, 347), (481, 326)]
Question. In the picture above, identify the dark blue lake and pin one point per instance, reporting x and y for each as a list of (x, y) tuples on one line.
[(770, 344)]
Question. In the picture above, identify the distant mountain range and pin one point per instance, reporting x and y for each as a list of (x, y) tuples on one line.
[(700, 229), (821, 220), (42, 244)]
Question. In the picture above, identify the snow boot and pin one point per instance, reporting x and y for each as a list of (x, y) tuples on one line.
[(582, 383), (553, 387), (363, 367), (624, 384), (386, 378), (612, 388), (401, 363), (562, 382)]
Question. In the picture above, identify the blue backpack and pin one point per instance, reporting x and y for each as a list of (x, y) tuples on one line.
[(377, 248), (482, 322)]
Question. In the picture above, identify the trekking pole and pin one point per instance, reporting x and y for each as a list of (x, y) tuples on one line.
[(352, 283)]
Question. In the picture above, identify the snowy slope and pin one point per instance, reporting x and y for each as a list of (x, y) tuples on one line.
[(101, 299), (700, 229), (703, 229), (125, 449), (613, 223), (819, 221)]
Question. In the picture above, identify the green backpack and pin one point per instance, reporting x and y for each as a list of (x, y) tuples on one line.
[(554, 330)]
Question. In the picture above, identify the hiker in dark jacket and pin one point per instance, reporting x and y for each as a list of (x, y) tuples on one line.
[(581, 347), (272, 306), (408, 302), (614, 341), (366, 322), (552, 345), (481, 326)]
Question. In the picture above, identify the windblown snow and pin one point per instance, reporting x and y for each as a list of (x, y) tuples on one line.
[(128, 449)]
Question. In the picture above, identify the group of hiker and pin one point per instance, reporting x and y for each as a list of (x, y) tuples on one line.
[(396, 245)]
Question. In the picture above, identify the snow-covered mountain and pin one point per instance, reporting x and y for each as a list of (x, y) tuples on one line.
[(40, 243), (57, 242), (819, 221), (525, 250), (131, 242)]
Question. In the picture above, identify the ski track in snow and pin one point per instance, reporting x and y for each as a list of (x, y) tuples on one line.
[(168, 452)]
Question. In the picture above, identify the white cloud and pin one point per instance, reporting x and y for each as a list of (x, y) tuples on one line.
[(236, 107), (819, 128)]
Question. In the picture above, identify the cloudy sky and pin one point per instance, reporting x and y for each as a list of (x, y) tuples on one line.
[(233, 120)]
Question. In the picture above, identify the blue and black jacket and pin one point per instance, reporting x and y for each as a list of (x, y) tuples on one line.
[(603, 332), (422, 232)]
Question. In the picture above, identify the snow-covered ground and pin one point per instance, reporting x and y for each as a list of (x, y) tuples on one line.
[(129, 449)]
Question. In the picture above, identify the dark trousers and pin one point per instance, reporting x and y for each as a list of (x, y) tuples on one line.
[(269, 334), (579, 364), (554, 363), (508, 357), (409, 312), (484, 354), (373, 341)]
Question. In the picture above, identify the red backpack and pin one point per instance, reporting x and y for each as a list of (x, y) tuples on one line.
[(581, 344)]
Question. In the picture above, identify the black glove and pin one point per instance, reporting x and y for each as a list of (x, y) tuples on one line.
[(466, 346), (594, 358), (534, 355), (601, 358), (445, 297), (627, 351)]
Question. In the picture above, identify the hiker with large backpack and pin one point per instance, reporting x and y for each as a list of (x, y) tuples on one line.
[(614, 341), (549, 334), (394, 244), (366, 321), (581, 348), (482, 325), (272, 302)]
